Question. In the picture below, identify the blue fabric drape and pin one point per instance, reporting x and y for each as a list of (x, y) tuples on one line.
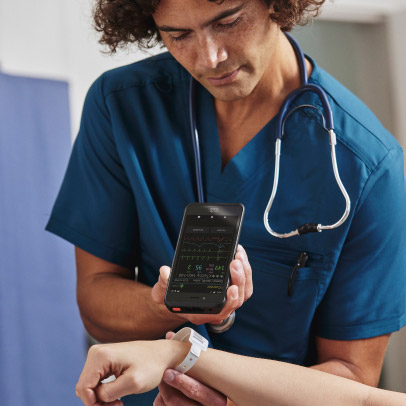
[(42, 342)]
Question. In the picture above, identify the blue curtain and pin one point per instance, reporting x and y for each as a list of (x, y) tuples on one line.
[(42, 342)]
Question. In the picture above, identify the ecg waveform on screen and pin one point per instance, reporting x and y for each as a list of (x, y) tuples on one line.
[(208, 239), (205, 248)]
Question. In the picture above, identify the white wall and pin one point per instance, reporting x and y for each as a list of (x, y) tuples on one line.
[(380, 49), (54, 39)]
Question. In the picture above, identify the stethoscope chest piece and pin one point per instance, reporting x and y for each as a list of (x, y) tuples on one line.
[(223, 326)]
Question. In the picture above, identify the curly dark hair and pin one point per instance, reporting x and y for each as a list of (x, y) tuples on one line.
[(125, 22)]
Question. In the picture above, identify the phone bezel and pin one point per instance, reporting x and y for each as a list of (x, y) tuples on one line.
[(194, 302)]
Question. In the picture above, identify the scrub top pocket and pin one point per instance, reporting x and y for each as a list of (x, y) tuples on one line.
[(270, 313)]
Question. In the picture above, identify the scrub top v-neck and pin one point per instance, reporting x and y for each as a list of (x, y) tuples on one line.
[(253, 160)]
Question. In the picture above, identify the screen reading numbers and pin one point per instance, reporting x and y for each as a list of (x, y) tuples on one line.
[(204, 254)]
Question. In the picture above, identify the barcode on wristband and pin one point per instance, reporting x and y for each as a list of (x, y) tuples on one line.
[(198, 338)]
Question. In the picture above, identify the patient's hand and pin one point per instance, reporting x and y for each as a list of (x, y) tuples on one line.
[(137, 365)]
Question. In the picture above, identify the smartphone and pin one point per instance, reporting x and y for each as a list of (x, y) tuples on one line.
[(206, 245)]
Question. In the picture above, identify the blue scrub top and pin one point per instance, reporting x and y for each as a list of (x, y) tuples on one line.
[(131, 174)]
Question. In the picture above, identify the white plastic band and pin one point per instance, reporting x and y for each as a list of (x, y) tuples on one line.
[(199, 343)]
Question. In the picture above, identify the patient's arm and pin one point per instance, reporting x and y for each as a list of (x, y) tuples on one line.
[(253, 381), (139, 367)]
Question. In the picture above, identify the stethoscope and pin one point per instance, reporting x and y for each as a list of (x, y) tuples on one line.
[(283, 115)]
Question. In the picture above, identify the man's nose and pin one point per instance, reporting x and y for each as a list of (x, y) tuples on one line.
[(211, 53)]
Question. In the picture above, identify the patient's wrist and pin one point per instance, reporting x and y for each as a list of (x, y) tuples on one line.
[(198, 344), (173, 352)]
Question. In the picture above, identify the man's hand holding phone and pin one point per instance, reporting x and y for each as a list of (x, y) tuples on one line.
[(240, 290)]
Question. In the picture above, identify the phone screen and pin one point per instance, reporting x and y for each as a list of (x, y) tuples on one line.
[(204, 253)]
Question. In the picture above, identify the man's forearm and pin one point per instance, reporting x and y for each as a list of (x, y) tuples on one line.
[(114, 309), (339, 368), (359, 360)]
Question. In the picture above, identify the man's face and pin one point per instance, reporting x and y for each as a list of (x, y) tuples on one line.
[(227, 47)]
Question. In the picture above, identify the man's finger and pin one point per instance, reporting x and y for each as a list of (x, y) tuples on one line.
[(238, 278), (169, 335), (159, 401), (174, 397), (242, 256), (164, 272), (232, 303), (194, 389), (159, 289)]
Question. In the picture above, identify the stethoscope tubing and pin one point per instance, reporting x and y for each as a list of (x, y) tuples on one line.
[(328, 124), (195, 139)]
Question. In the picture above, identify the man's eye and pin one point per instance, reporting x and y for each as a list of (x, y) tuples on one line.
[(175, 38), (229, 25)]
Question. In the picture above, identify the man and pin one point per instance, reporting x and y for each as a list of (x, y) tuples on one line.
[(132, 173)]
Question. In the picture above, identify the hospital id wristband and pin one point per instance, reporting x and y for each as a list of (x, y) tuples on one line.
[(198, 342)]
